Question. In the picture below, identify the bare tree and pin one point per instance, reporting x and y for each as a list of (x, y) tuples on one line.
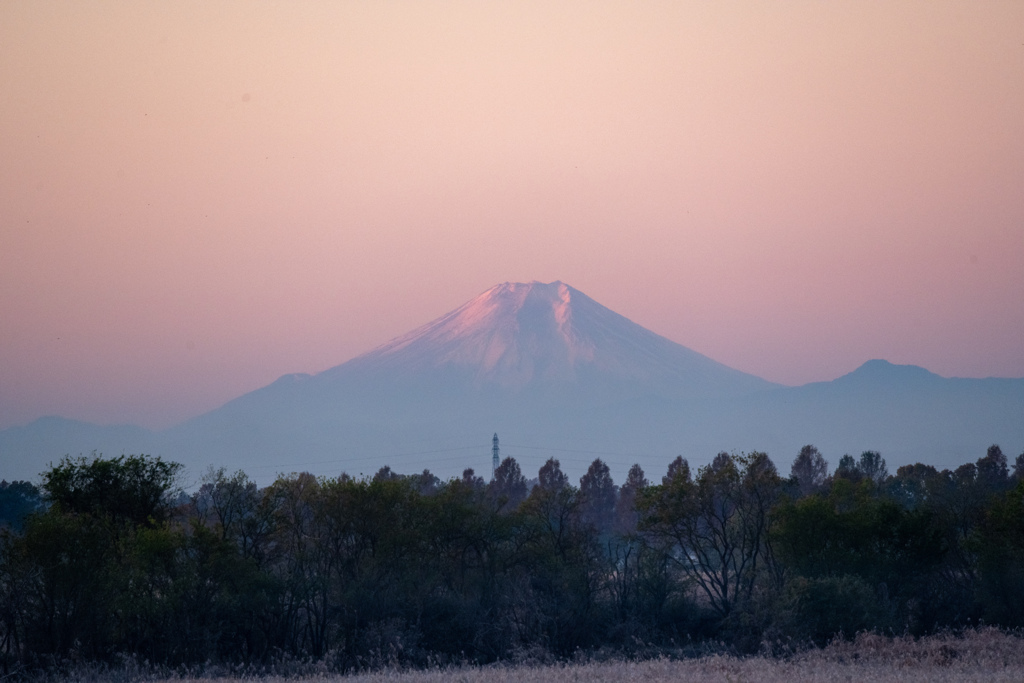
[(718, 524), (555, 504), (597, 497), (872, 466), (677, 469), (1018, 468), (626, 516), (508, 488), (550, 478), (810, 470)]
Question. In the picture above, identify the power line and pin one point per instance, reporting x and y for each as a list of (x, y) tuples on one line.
[(378, 457), (569, 450), (573, 450), (482, 448)]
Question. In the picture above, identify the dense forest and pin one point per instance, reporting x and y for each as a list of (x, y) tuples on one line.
[(109, 558)]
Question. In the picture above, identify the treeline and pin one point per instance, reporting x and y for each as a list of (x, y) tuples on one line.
[(109, 559)]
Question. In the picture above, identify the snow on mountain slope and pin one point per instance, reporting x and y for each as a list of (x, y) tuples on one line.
[(517, 335)]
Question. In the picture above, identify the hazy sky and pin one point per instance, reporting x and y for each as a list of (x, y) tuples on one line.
[(197, 197)]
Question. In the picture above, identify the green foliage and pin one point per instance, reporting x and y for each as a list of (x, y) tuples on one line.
[(79, 565), (999, 544), (18, 499), (716, 526), (409, 569), (895, 551), (133, 489), (821, 608)]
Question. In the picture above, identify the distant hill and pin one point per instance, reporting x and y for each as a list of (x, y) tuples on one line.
[(26, 451), (555, 374)]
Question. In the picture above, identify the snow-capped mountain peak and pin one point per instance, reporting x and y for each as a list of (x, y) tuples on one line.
[(518, 334)]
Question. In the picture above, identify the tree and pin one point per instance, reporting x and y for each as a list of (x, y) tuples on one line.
[(18, 499), (235, 507), (508, 488), (550, 478), (872, 467), (136, 489), (555, 504), (999, 543), (993, 475), (810, 470), (915, 485), (566, 572), (472, 481), (70, 582), (86, 559), (426, 483), (678, 469), (719, 525), (847, 469), (385, 474), (597, 497), (307, 562), (1018, 468), (626, 516)]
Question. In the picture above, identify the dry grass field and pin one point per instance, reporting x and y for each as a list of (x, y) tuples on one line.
[(981, 655)]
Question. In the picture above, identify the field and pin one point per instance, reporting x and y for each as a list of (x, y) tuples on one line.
[(980, 655)]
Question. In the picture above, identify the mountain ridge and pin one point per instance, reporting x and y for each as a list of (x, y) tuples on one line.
[(516, 334), (546, 365)]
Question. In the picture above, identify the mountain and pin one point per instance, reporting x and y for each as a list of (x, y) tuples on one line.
[(518, 337), (906, 412), (27, 450), (556, 374), (534, 361)]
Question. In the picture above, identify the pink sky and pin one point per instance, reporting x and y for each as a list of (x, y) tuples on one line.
[(197, 197)]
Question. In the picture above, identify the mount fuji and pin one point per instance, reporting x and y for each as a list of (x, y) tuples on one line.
[(542, 364), (555, 374), (517, 338)]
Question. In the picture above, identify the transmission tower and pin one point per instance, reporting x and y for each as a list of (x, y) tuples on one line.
[(494, 455)]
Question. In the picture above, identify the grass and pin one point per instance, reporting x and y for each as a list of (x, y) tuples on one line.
[(985, 654)]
